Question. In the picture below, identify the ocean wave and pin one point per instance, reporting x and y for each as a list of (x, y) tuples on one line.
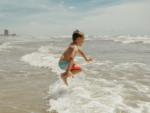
[(45, 57), (144, 39), (133, 41)]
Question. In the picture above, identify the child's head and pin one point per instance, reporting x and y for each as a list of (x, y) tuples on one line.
[(78, 37)]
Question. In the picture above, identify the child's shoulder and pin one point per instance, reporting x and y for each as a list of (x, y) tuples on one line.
[(73, 46)]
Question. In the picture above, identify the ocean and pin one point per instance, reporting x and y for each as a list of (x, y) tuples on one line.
[(117, 81)]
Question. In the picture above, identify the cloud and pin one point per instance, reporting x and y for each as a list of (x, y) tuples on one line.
[(61, 4), (129, 18), (72, 7), (44, 6)]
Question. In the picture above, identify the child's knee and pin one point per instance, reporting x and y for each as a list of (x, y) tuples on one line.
[(80, 69)]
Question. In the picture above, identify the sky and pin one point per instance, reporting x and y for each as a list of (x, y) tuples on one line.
[(62, 17)]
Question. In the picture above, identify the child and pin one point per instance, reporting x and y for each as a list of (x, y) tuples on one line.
[(66, 61)]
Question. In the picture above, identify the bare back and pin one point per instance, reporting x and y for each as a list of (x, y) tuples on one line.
[(70, 52)]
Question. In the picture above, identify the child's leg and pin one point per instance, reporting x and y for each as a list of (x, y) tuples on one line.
[(75, 71), (64, 78), (65, 75)]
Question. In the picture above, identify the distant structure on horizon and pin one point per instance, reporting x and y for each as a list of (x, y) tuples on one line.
[(6, 33)]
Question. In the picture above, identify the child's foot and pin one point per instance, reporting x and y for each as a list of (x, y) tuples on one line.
[(65, 74), (64, 78)]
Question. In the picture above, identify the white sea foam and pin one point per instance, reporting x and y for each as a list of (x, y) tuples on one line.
[(131, 67), (82, 96), (12, 42), (144, 39), (89, 39), (5, 46), (132, 39), (45, 58)]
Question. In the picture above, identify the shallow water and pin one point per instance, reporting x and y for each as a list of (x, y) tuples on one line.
[(117, 81)]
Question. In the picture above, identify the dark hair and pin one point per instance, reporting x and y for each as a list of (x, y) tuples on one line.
[(77, 34)]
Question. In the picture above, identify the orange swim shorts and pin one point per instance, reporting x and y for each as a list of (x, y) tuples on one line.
[(64, 66)]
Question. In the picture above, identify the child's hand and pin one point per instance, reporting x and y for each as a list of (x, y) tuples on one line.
[(70, 74), (89, 59)]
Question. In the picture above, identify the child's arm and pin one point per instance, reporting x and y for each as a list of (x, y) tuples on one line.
[(82, 54)]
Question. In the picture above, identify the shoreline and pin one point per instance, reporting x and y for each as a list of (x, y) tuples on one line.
[(7, 36)]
